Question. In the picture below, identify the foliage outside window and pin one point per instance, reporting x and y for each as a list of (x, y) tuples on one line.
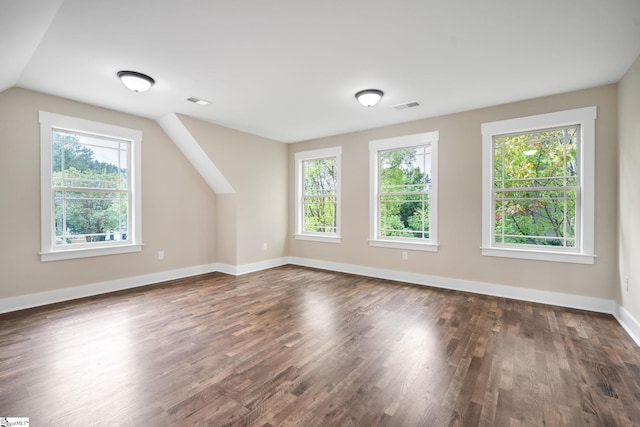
[(404, 192), (536, 187), (90, 188), (403, 196), (540, 192), (318, 194)]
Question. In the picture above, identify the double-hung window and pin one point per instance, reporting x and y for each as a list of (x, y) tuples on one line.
[(404, 192), (538, 186), (90, 188), (318, 194)]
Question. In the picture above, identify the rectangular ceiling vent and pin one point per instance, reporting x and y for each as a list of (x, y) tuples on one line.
[(197, 100), (406, 105)]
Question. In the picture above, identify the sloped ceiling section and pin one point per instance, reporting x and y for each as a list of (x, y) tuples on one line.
[(183, 139), (21, 35)]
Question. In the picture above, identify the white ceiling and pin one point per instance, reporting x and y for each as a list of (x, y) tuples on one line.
[(289, 69)]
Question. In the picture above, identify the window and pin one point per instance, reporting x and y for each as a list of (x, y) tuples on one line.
[(318, 195), (404, 192), (538, 186), (90, 188)]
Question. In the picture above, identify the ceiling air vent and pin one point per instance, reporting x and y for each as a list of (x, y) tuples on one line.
[(406, 105), (197, 100)]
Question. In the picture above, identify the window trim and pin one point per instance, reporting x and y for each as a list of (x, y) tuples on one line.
[(585, 117), (427, 138), (48, 251), (300, 157)]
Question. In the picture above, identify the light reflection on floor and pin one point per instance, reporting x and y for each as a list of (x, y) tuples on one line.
[(91, 358), (319, 313)]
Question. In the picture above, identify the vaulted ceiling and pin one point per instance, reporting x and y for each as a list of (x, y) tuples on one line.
[(289, 69)]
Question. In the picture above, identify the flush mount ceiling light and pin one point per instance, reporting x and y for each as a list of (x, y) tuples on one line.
[(369, 97), (135, 81)]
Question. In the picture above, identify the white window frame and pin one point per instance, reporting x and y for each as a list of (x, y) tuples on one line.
[(584, 254), (407, 141), (300, 158), (49, 251)]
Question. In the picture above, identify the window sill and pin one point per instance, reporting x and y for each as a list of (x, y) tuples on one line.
[(576, 258), (398, 244), (314, 238), (89, 252)]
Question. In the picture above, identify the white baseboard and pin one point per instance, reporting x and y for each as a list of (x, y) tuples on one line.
[(629, 323), (238, 270), (226, 268), (43, 298), (600, 305), (524, 294), (49, 297)]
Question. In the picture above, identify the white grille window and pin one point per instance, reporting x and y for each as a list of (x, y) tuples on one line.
[(404, 192), (404, 182), (318, 194), (538, 177), (536, 188), (90, 188)]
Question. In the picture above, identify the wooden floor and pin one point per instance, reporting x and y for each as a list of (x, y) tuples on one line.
[(294, 346)]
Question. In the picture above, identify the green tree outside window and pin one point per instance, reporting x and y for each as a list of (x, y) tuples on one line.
[(319, 195), (90, 194), (404, 184), (536, 187)]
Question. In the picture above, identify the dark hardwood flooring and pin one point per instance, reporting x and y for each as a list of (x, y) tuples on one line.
[(293, 346)]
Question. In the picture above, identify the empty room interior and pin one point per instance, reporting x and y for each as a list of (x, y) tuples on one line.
[(412, 213)]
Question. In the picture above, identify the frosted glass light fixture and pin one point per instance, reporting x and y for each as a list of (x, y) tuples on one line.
[(369, 97), (135, 81)]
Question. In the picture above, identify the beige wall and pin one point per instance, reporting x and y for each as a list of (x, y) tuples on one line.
[(227, 247), (178, 207), (183, 217), (256, 168), (460, 175), (629, 188)]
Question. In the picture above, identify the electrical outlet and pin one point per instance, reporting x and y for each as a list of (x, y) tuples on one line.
[(405, 255), (264, 246), (626, 284), (161, 255)]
